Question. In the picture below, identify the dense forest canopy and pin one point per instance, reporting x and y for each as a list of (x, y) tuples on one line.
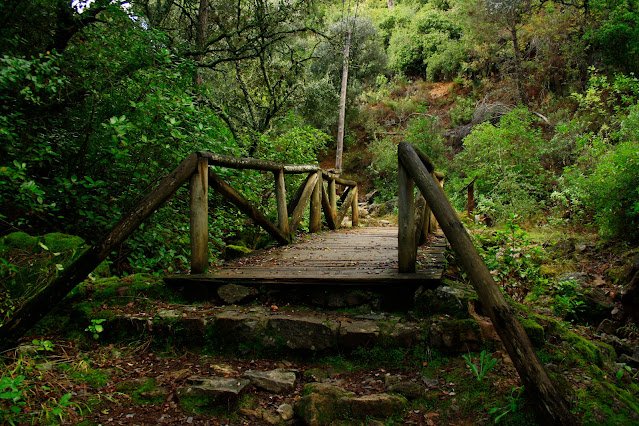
[(99, 99)]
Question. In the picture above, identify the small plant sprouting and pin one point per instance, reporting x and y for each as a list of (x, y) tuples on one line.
[(95, 328), (486, 363), (43, 345), (513, 402)]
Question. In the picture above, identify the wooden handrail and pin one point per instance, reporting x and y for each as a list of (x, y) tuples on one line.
[(550, 402), (195, 169)]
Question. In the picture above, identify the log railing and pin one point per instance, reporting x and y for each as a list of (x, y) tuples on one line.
[(313, 192), (196, 170), (416, 169)]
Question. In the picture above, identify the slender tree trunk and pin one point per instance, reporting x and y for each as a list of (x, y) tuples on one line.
[(342, 101), (200, 35), (390, 4), (519, 77)]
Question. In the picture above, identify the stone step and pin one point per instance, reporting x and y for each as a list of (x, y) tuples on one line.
[(278, 330)]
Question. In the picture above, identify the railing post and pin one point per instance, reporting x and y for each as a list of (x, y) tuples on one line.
[(355, 209), (407, 247), (199, 191), (280, 196), (315, 219), (332, 197)]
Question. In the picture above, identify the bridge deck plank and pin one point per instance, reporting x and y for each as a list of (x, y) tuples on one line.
[(356, 257)]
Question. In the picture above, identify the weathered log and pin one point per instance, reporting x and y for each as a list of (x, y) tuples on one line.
[(329, 212), (551, 404), (280, 197), (355, 208), (332, 197), (422, 221), (256, 164), (296, 216), (298, 194), (37, 307), (407, 249), (315, 218), (245, 206), (348, 202), (199, 220)]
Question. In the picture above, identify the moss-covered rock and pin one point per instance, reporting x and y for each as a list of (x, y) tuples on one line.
[(534, 331), (59, 242), (20, 241)]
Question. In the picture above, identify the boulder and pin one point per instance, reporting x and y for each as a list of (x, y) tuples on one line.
[(381, 405), (276, 381), (325, 404), (322, 404), (233, 293), (286, 412)]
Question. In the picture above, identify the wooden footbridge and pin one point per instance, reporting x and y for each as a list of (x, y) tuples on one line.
[(367, 257)]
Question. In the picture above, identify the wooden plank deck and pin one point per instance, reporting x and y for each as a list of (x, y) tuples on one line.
[(355, 257)]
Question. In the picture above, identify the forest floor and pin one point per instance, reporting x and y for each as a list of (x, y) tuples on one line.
[(77, 369)]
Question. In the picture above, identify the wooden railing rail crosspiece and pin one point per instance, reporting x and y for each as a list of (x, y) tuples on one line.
[(415, 168)]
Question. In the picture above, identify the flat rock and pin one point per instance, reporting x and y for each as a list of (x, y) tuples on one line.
[(303, 332), (233, 293), (276, 381), (358, 333), (400, 385), (203, 392), (381, 405)]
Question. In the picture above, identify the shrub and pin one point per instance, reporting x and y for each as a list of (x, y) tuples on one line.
[(506, 160), (613, 192)]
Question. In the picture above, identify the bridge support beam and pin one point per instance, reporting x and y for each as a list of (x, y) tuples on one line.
[(199, 190), (407, 247)]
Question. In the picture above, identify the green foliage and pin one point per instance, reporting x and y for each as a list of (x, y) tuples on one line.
[(568, 299), (484, 365), (12, 394), (462, 112), (96, 327), (514, 402), (614, 35), (506, 160), (43, 345), (512, 258), (613, 192)]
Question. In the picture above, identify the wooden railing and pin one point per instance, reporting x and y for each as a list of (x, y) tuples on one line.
[(416, 220), (195, 169), (311, 192), (416, 169)]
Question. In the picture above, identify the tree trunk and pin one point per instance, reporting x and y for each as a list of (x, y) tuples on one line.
[(200, 35), (519, 77), (550, 403), (342, 101)]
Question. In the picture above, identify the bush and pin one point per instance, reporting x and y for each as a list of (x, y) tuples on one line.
[(446, 62), (613, 192), (506, 160)]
